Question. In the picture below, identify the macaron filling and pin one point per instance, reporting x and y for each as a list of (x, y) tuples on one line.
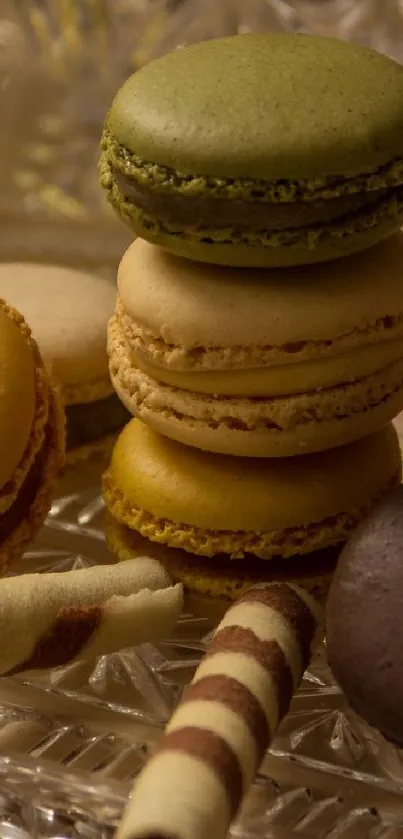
[(244, 210), (185, 211), (94, 420), (279, 379), (387, 212), (312, 393), (11, 519)]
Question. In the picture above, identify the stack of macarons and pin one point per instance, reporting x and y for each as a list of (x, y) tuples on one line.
[(257, 337)]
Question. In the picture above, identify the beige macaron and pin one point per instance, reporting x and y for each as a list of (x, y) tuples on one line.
[(260, 363), (68, 312)]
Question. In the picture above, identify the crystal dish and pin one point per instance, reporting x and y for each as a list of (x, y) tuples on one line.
[(72, 740)]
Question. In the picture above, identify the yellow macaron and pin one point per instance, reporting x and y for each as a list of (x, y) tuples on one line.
[(260, 364), (32, 435), (68, 312), (209, 505), (224, 578)]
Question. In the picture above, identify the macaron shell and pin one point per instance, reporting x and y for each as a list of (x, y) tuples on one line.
[(67, 311), (17, 391), (344, 303), (295, 106), (265, 444), (211, 504), (27, 496), (42, 396), (350, 235), (257, 427), (364, 619), (219, 577)]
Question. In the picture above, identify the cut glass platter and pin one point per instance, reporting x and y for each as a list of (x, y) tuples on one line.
[(73, 740)]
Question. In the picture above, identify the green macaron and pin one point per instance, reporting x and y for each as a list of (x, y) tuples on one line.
[(273, 149)]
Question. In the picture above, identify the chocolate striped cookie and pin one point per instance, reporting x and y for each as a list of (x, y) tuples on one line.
[(217, 737), (83, 614)]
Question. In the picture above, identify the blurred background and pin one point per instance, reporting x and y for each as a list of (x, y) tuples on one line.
[(61, 62)]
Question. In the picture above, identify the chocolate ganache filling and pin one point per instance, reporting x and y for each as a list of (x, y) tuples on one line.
[(186, 211), (92, 421)]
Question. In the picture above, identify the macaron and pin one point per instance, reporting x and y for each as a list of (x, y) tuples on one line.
[(32, 436), (259, 150), (224, 578), (248, 509), (365, 621), (68, 311), (231, 363)]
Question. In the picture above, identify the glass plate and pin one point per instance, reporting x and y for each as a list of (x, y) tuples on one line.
[(73, 739)]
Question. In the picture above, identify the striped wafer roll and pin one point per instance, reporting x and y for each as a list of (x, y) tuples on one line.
[(47, 620), (208, 757)]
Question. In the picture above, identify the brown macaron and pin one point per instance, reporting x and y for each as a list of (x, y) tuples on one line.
[(365, 619)]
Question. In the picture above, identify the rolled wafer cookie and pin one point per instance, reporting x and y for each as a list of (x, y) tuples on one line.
[(217, 737), (48, 620)]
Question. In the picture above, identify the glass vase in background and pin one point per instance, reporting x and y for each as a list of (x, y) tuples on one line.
[(77, 52), (378, 23)]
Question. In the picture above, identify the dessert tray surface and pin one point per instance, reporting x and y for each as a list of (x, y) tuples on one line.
[(73, 739)]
